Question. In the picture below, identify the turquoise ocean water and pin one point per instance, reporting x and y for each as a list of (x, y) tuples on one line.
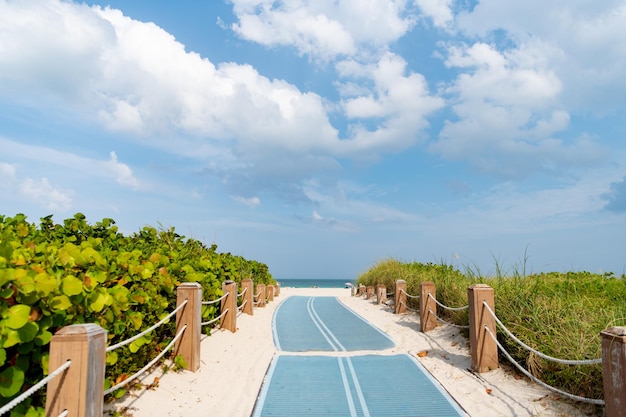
[(314, 283)]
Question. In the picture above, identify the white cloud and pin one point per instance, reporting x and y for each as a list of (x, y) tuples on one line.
[(509, 116), (250, 202), (440, 11), (39, 191), (123, 173), (323, 29)]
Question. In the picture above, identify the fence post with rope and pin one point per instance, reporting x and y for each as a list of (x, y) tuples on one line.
[(381, 293), (428, 321), (228, 306), (80, 389), (369, 292), (247, 289), (614, 370), (260, 295), (400, 297), (483, 349), (188, 345), (277, 287), (270, 293)]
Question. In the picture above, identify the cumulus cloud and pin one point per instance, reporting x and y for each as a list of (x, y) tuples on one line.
[(440, 11), (37, 190), (323, 29), (508, 114), (123, 173), (250, 201)]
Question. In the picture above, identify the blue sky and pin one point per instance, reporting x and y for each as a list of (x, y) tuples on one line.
[(322, 136)]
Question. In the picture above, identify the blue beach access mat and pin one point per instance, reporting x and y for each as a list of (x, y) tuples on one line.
[(305, 324), (358, 386)]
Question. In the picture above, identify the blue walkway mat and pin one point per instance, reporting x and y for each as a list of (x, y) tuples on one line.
[(304, 324), (368, 386)]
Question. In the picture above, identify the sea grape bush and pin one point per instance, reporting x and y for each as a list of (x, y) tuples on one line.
[(53, 275)]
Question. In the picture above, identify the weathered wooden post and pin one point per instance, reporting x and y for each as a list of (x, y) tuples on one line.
[(614, 371), (370, 292), (229, 302), (270, 293), (188, 345), (483, 349), (247, 287), (428, 320), (400, 297), (278, 289), (381, 293), (362, 290), (260, 291), (80, 388)]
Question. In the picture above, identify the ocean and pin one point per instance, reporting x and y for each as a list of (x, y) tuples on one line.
[(314, 283)]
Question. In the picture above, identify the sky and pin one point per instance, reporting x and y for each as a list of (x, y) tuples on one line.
[(323, 136)]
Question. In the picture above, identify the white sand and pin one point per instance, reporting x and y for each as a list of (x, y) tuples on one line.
[(233, 366)]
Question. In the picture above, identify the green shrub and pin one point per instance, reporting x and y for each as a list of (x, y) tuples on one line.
[(55, 275)]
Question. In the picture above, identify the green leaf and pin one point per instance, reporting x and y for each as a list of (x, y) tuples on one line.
[(72, 285), (111, 358), (17, 316), (3, 356), (45, 284), (98, 300), (43, 338), (11, 381), (60, 302)]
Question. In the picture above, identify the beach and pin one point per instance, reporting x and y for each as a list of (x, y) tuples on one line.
[(233, 366)]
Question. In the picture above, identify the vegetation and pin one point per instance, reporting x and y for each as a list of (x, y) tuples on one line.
[(53, 275), (558, 314)]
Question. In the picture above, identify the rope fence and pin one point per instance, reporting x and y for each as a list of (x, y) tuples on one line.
[(484, 345), (81, 349)]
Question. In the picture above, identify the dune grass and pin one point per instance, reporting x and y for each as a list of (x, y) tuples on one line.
[(558, 314)]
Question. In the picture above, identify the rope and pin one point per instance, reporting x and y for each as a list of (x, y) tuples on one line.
[(206, 323), (243, 292), (242, 305), (257, 295), (389, 294), (445, 306), (148, 366), (440, 320), (206, 303), (409, 308), (538, 381), (65, 413), (409, 295), (9, 406), (137, 336), (536, 352)]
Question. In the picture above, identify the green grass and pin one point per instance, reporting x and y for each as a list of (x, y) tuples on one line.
[(558, 314)]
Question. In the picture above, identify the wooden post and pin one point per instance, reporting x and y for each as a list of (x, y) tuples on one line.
[(400, 297), (188, 345), (362, 290), (277, 289), (270, 293), (260, 289), (483, 349), (80, 388), (381, 293), (614, 371), (428, 321), (370, 292), (229, 302), (247, 285)]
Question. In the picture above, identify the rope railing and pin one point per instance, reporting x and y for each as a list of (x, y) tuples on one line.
[(206, 323), (537, 380), (536, 352), (409, 308), (442, 321), (16, 401), (149, 365), (148, 330), (241, 294), (242, 305), (465, 307), (409, 295), (206, 303)]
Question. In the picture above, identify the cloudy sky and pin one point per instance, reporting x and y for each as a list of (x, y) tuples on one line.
[(321, 136)]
